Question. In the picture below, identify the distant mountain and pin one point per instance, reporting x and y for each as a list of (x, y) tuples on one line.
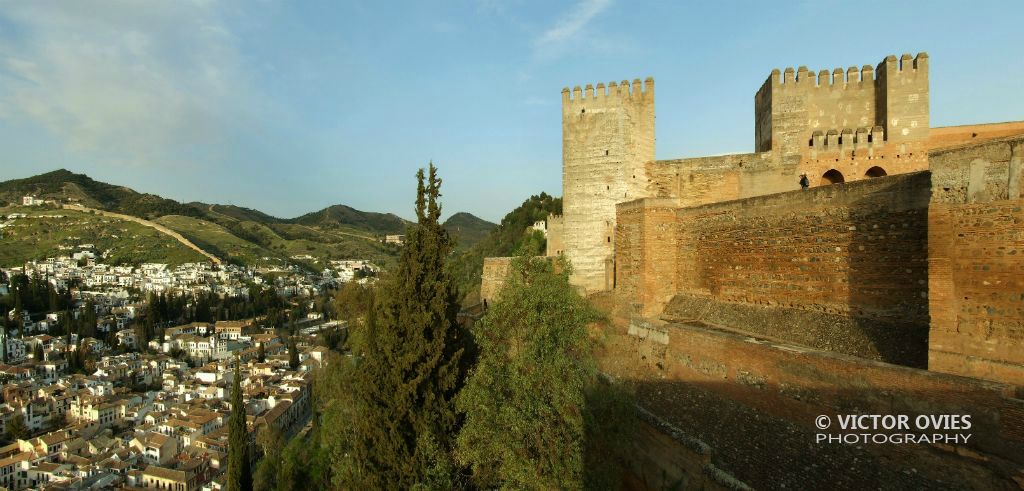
[(467, 229), (346, 216)]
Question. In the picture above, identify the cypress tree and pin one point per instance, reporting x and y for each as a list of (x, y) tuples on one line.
[(411, 367), (293, 354), (239, 475)]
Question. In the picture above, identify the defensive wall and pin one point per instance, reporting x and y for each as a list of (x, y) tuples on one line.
[(834, 267), (495, 272), (743, 305), (923, 269), (976, 260), (832, 127), (752, 403)]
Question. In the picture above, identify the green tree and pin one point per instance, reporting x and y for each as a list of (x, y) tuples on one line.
[(261, 353), (16, 428), (400, 410), (270, 441), (293, 354), (88, 327), (239, 475), (524, 402), (37, 353), (352, 301)]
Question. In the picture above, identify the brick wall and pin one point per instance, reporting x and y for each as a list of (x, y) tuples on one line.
[(976, 258), (770, 394), (840, 267), (645, 255), (832, 249)]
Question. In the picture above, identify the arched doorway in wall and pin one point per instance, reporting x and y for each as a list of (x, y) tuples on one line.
[(875, 171), (832, 177)]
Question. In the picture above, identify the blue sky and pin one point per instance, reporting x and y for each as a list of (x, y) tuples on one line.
[(288, 107)]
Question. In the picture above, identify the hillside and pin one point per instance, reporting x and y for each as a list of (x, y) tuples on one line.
[(237, 234), (511, 236), (234, 212), (48, 233), (467, 229), (345, 216), (66, 186)]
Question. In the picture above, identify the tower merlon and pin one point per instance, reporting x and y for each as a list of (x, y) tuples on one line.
[(867, 73), (852, 75)]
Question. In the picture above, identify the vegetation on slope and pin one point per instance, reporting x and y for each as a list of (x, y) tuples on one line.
[(341, 215), (249, 242), (215, 239), (65, 185), (467, 230), (508, 238), (46, 231), (238, 234)]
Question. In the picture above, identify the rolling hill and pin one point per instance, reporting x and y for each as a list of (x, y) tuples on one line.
[(47, 233), (67, 186), (232, 233), (345, 216), (467, 230)]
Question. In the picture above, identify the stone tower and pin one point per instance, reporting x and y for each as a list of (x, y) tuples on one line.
[(607, 138), (890, 101)]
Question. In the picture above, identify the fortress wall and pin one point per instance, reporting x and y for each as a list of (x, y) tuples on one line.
[(702, 180), (645, 255), (815, 267), (495, 272), (830, 249), (976, 259), (555, 244), (856, 161), (948, 136), (739, 394)]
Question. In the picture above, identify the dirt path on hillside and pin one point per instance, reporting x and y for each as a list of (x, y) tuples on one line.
[(159, 228)]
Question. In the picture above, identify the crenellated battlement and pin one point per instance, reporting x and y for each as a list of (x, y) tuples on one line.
[(637, 91), (847, 139), (906, 64), (837, 78)]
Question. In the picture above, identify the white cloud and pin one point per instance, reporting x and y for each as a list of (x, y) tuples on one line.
[(146, 83), (569, 28)]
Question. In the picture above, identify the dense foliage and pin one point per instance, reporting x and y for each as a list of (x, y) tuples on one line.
[(511, 237), (524, 402)]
